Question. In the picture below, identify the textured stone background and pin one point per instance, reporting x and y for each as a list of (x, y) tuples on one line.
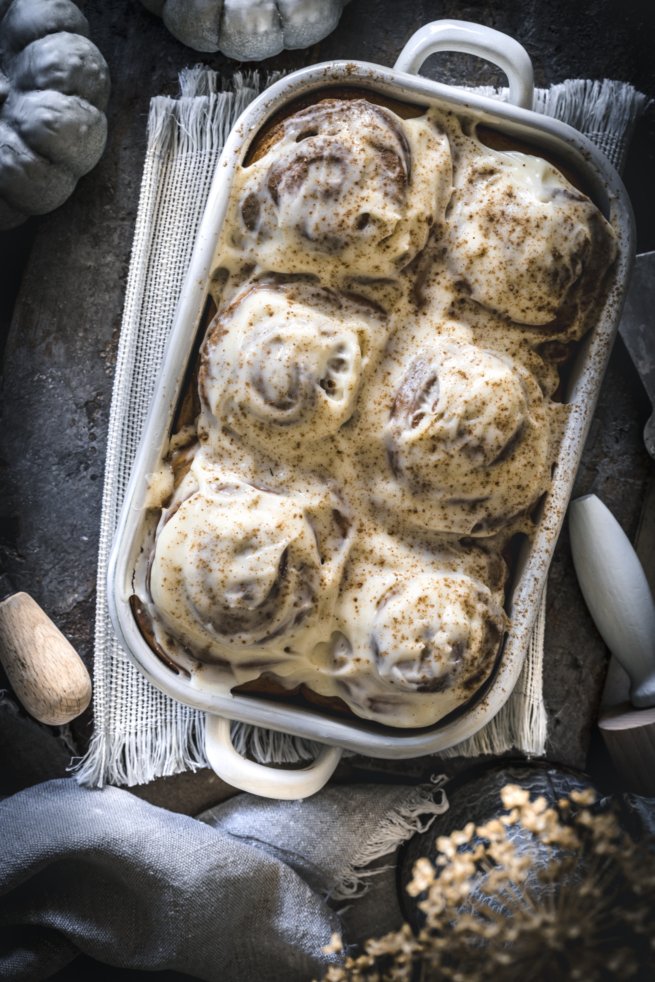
[(64, 280)]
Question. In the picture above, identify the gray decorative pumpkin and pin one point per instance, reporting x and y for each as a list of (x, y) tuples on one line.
[(54, 86), (248, 30)]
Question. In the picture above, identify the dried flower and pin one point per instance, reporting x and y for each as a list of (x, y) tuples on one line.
[(335, 945), (545, 891)]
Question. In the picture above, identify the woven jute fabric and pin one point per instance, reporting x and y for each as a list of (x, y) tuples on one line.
[(140, 733)]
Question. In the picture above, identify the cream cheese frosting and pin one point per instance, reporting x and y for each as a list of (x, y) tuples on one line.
[(468, 434), (348, 189), (282, 365), (518, 236), (377, 415), (237, 567)]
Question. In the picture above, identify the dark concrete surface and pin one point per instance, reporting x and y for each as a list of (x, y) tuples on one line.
[(62, 296)]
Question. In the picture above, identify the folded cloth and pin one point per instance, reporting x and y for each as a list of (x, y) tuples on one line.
[(254, 891), (139, 732)]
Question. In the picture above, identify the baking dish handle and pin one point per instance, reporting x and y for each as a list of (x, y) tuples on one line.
[(473, 39), (267, 782)]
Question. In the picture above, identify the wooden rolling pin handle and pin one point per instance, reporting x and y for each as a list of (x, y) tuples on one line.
[(46, 673)]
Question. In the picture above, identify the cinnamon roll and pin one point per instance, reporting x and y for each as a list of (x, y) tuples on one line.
[(418, 640), (282, 365), (469, 431), (240, 573), (348, 187), (439, 631), (525, 242)]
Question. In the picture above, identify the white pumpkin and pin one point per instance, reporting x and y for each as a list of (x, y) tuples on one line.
[(248, 30), (54, 86)]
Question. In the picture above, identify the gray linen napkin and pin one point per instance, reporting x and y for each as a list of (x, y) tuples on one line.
[(249, 893)]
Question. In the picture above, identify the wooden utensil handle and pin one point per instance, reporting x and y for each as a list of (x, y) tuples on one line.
[(46, 673)]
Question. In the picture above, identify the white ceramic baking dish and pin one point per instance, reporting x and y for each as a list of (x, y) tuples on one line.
[(516, 119)]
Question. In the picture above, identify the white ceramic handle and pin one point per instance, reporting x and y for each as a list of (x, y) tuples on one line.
[(616, 592), (267, 782), (473, 39)]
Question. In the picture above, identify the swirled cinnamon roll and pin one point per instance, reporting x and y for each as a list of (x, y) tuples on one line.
[(348, 187), (436, 632), (239, 572), (469, 431), (282, 365), (418, 638), (525, 242)]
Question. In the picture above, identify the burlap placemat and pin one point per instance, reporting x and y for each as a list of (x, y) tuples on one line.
[(140, 733)]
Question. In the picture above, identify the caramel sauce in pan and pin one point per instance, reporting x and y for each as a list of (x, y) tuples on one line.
[(188, 404), (145, 625)]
